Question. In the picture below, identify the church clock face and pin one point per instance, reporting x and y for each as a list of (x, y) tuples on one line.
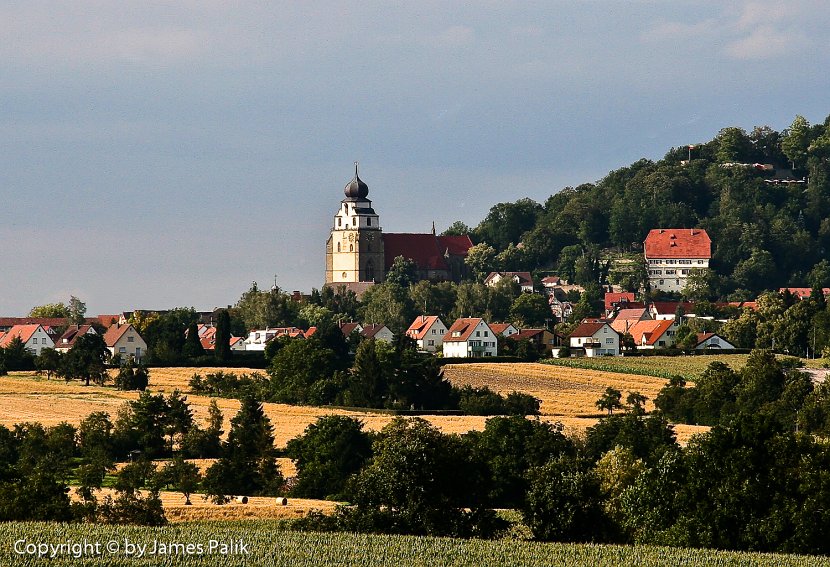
[(351, 238)]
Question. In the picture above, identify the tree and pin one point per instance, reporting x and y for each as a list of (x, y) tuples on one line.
[(248, 465), (301, 371), (193, 345), (796, 141), (87, 360), (530, 310), (222, 348), (328, 452), (481, 260), (564, 502), (77, 311), (507, 222), (49, 360), (15, 356), (388, 303), (50, 310), (183, 476), (610, 400), (132, 376), (457, 228), (403, 272)]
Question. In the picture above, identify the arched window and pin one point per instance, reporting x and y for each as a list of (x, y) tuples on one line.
[(339, 221), (351, 247), (338, 247), (344, 276), (370, 271)]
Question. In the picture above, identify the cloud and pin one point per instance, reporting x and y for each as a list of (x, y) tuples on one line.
[(763, 43)]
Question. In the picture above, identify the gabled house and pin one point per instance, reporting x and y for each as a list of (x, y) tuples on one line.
[(667, 309), (34, 337), (348, 328), (654, 334), (614, 300), (470, 338), (596, 338), (543, 339), (503, 329), (428, 332), (207, 336), (258, 338), (125, 340), (377, 331), (673, 253), (67, 340), (712, 341), (627, 318), (524, 279)]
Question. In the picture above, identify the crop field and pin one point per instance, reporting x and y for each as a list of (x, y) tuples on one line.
[(265, 543), (690, 367)]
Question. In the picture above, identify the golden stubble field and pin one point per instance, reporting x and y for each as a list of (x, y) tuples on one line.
[(567, 395)]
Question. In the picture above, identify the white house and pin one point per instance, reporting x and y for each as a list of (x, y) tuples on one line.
[(34, 337), (597, 338), (652, 334), (72, 334), (125, 340), (377, 331), (504, 329), (673, 253), (712, 341), (524, 279), (258, 338), (470, 338), (428, 332)]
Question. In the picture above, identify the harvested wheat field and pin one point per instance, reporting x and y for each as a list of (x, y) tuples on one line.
[(563, 391), (258, 507)]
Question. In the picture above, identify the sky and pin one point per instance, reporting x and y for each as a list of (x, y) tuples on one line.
[(159, 154)]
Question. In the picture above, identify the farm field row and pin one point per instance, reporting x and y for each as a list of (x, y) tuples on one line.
[(264, 543), (659, 366)]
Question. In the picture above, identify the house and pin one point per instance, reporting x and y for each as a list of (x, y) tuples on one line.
[(668, 309), (712, 341), (258, 338), (207, 336), (67, 340), (654, 334), (673, 253), (543, 339), (561, 310), (348, 328), (470, 338), (377, 331), (596, 338), (34, 337), (614, 301), (524, 279), (125, 340), (428, 332), (803, 292), (503, 329), (627, 318)]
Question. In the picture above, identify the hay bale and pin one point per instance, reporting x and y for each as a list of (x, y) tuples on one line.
[(282, 501), (242, 499)]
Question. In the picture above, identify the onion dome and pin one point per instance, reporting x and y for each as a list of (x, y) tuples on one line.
[(356, 188)]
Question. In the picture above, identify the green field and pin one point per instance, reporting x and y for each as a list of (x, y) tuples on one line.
[(660, 366), (267, 544)]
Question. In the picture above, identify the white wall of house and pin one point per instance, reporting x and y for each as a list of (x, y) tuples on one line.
[(482, 342), (39, 340), (130, 344), (606, 339), (434, 337), (384, 335), (715, 342), (671, 274)]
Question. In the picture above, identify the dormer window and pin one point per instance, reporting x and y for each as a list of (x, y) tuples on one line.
[(368, 222)]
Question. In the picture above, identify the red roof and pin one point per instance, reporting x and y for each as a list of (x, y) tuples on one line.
[(372, 329), (500, 328), (652, 331), (426, 250), (348, 328), (611, 298), (420, 326), (114, 334), (25, 333), (678, 243), (670, 307), (68, 338), (803, 292), (464, 327), (551, 280), (527, 334), (45, 321), (588, 328), (107, 320)]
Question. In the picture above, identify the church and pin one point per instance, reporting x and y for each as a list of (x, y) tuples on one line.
[(358, 253)]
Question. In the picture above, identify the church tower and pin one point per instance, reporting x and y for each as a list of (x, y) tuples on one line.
[(354, 251)]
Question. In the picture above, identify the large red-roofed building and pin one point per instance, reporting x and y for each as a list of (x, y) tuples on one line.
[(673, 253)]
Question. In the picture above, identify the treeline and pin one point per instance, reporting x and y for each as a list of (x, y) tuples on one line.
[(395, 376), (764, 235)]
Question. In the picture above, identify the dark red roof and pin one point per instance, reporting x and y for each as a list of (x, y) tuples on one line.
[(670, 307), (587, 329), (612, 297), (678, 243), (426, 250), (44, 321)]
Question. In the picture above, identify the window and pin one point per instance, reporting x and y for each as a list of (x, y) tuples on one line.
[(486, 334), (351, 247), (368, 222), (122, 349), (684, 272), (700, 262), (130, 339), (609, 341), (431, 342), (669, 272), (339, 221), (34, 341), (661, 282), (669, 261), (338, 247), (661, 343), (344, 276), (354, 221), (478, 333)]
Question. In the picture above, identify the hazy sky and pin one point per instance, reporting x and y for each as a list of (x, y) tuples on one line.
[(159, 154)]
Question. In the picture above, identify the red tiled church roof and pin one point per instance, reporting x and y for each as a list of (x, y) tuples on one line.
[(426, 250)]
